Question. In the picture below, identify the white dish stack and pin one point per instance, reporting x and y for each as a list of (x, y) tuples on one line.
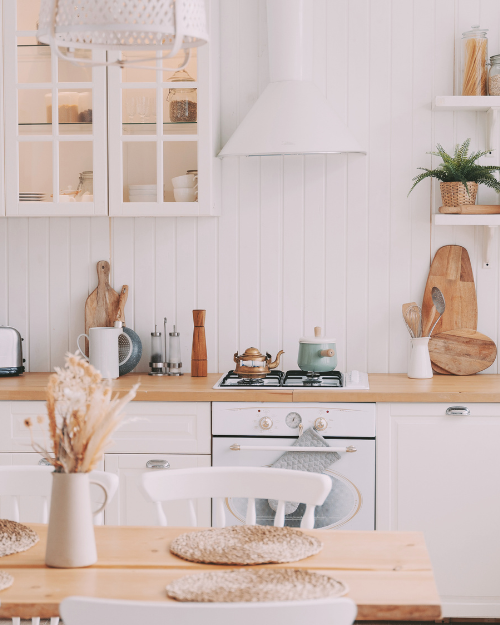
[(142, 192), (186, 187)]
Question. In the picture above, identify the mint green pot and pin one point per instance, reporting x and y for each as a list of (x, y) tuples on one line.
[(311, 359)]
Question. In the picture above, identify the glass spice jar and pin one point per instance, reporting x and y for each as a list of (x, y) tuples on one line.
[(474, 55), (85, 184), (183, 106), (494, 75)]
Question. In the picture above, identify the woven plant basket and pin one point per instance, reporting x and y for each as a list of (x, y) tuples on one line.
[(455, 193)]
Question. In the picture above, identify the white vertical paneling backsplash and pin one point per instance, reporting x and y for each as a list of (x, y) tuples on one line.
[(302, 241)]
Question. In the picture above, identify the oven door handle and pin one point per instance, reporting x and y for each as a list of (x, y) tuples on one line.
[(235, 447)]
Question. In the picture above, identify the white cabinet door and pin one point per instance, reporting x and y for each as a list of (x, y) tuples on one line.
[(130, 507), (440, 474)]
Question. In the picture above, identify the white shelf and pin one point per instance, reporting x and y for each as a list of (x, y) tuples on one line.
[(465, 102), (443, 219)]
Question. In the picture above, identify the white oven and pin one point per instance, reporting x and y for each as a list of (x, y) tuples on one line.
[(251, 435)]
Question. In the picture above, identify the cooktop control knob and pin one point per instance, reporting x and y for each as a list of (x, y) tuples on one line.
[(320, 424), (266, 423)]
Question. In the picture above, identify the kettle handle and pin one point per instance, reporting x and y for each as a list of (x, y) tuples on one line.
[(78, 344), (236, 358)]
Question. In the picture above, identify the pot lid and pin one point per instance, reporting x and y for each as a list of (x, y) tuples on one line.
[(181, 76), (252, 353), (317, 339)]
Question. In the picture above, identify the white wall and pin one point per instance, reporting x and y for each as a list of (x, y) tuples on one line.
[(302, 241)]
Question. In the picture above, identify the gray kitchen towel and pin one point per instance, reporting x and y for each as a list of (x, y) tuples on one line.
[(315, 462)]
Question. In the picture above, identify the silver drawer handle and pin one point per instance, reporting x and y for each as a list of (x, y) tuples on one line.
[(458, 410), (44, 463), (158, 464)]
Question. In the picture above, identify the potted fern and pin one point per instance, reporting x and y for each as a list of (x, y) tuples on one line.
[(459, 176)]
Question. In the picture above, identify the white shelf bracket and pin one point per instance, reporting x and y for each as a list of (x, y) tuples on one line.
[(493, 130), (488, 234)]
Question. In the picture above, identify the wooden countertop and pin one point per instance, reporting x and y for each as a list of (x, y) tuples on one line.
[(383, 388), (389, 574)]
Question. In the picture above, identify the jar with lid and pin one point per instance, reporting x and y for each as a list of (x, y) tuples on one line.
[(85, 185), (474, 56), (183, 106), (494, 75)]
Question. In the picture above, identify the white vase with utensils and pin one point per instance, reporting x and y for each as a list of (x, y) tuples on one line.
[(70, 536), (419, 365), (103, 350)]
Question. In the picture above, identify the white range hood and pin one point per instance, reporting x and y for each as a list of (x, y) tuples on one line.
[(291, 116)]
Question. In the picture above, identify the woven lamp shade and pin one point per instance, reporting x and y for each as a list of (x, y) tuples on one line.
[(125, 25), (455, 193)]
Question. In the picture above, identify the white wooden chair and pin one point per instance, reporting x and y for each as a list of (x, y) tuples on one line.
[(36, 481), (86, 611), (250, 482)]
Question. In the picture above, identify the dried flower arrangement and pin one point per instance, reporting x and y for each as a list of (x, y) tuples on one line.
[(82, 416)]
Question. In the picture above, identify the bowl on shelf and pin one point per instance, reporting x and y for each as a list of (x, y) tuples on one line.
[(142, 193)]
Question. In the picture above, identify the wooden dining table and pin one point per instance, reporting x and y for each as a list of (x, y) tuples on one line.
[(389, 574)]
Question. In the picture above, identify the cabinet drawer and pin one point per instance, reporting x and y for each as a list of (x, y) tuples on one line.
[(439, 410), (130, 506), (148, 427)]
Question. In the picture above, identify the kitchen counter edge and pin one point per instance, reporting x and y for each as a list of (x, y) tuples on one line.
[(395, 387)]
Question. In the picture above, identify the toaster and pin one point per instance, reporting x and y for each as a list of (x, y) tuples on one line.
[(11, 352)]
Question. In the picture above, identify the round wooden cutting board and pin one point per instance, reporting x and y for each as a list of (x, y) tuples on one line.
[(462, 352)]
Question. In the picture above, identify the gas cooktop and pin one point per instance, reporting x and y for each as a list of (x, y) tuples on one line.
[(297, 379)]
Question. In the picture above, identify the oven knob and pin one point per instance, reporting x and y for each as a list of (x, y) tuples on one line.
[(266, 423), (320, 424)]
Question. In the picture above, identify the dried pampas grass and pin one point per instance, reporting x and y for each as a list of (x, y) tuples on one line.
[(82, 417)]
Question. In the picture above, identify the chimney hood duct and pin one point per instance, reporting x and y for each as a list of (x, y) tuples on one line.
[(291, 116)]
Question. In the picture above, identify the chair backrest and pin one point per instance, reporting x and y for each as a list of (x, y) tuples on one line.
[(83, 610), (36, 481), (250, 482)]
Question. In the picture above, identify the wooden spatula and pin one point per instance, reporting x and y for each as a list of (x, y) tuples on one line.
[(462, 352), (102, 304)]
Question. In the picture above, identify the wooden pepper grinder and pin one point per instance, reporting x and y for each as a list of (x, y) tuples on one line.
[(199, 352)]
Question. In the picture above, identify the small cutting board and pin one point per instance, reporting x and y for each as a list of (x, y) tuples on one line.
[(451, 272), (101, 306), (462, 352)]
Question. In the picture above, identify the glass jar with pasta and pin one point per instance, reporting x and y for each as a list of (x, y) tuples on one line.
[(474, 57)]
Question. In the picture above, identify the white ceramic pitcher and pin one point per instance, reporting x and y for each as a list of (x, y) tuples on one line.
[(70, 538), (103, 350), (419, 365)]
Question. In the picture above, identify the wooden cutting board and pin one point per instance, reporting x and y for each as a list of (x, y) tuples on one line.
[(101, 306), (462, 352), (451, 272)]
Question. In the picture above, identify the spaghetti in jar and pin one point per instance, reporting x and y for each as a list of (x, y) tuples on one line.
[(474, 57)]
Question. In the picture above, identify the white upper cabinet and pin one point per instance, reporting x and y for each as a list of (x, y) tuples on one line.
[(65, 123), (55, 124)]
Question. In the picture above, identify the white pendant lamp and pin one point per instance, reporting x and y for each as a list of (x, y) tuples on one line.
[(148, 25), (291, 116)]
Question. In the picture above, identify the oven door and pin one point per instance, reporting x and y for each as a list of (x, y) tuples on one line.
[(350, 504)]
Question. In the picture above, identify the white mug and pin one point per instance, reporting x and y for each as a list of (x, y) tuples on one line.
[(188, 181), (185, 194), (103, 350)]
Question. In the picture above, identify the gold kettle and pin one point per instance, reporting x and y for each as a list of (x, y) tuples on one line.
[(252, 364)]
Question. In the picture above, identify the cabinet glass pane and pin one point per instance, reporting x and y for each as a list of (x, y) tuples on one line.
[(68, 72), (35, 169), (34, 106), (180, 111), (33, 64), (75, 111), (139, 171), (75, 157), (27, 14), (139, 111), (130, 73), (178, 158)]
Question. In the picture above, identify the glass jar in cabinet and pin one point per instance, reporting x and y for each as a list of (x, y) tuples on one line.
[(474, 57), (494, 75)]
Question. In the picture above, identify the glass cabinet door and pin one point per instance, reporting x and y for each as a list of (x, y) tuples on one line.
[(164, 135), (55, 124)]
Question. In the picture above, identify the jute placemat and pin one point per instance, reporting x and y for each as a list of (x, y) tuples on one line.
[(255, 585), (6, 580), (246, 544), (15, 537)]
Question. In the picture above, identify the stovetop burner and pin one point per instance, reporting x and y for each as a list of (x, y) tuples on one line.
[(277, 379)]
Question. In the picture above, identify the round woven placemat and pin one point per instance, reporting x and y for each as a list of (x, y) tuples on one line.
[(246, 544), (15, 537), (255, 585), (6, 580)]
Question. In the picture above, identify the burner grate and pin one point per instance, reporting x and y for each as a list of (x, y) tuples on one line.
[(277, 379)]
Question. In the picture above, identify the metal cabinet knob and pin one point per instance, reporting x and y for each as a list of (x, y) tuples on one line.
[(44, 463), (266, 423), (458, 410), (158, 464)]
